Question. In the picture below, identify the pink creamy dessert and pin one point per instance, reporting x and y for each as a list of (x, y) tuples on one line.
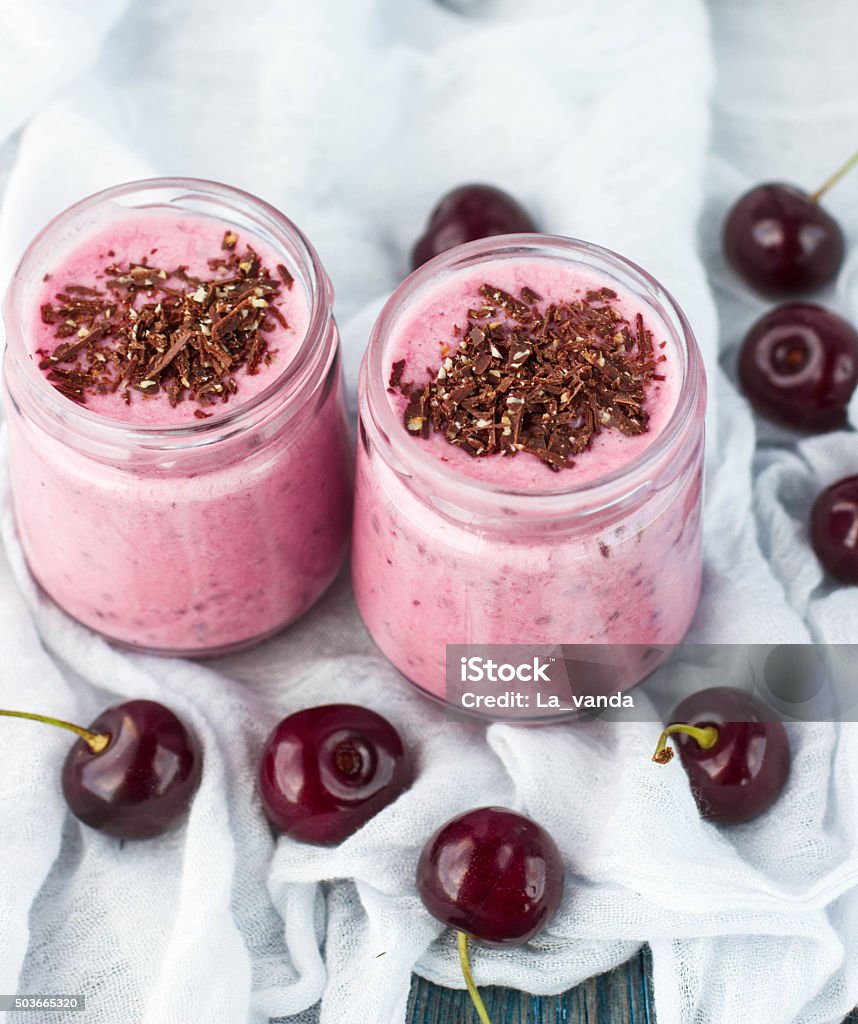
[(452, 548), (184, 526)]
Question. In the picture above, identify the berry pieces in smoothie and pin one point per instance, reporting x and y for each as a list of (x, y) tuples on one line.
[(523, 377), (146, 329)]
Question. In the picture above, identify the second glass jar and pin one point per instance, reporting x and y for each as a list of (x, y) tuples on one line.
[(443, 558)]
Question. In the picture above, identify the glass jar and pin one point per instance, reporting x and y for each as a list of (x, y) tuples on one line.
[(440, 557), (196, 538)]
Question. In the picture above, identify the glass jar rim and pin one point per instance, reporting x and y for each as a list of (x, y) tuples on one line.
[(423, 463), (234, 416)]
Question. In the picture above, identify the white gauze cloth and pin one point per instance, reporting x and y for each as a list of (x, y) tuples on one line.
[(633, 124)]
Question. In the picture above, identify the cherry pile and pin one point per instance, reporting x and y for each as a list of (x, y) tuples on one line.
[(491, 873), (798, 364)]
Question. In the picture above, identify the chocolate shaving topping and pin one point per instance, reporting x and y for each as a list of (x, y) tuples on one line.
[(543, 381), (151, 329), (396, 374)]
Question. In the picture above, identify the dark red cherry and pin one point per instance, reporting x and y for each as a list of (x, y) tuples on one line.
[(493, 874), (133, 773), (799, 365), (782, 242), (466, 214), (834, 529), (143, 782), (327, 770), (736, 754)]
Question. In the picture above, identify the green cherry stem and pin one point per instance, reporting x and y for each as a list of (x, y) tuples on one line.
[(838, 174), (465, 960), (98, 742), (706, 736)]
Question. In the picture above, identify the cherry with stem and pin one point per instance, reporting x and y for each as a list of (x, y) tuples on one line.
[(782, 241), (133, 772), (735, 753), (492, 875)]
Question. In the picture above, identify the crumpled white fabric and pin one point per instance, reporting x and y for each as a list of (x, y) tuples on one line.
[(632, 124)]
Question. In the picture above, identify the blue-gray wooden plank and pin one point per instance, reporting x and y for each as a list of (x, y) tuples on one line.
[(622, 996)]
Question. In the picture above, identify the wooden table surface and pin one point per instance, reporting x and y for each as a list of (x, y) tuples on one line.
[(622, 996)]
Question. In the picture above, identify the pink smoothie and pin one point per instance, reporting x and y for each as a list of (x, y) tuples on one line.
[(427, 573), (204, 547)]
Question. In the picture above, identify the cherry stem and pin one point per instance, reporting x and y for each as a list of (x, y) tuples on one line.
[(838, 174), (465, 961), (706, 736), (97, 741)]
